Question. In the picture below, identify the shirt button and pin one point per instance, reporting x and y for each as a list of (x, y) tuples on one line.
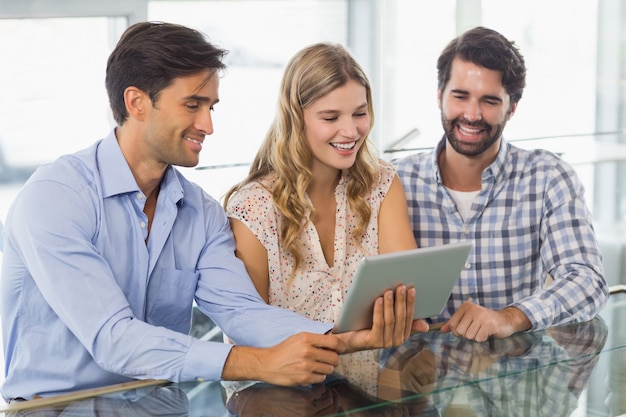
[(139, 196), (468, 265), (466, 230), (142, 224)]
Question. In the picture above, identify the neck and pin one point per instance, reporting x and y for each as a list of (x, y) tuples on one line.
[(324, 181), (147, 172), (464, 173)]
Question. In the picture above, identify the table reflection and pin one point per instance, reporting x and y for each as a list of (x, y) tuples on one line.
[(535, 373), (437, 374), (328, 399), (159, 401), (539, 373)]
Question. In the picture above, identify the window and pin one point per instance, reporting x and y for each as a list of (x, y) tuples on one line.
[(413, 35), (260, 43), (53, 98)]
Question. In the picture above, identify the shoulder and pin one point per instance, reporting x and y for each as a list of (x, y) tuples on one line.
[(68, 184), (417, 170), (387, 172), (540, 162), (66, 190), (413, 163), (252, 200), (532, 156), (75, 171), (543, 170)]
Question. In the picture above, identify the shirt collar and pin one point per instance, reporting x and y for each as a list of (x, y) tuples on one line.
[(435, 159), (498, 166), (117, 178)]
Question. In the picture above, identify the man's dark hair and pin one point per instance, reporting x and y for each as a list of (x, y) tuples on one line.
[(150, 55), (486, 48)]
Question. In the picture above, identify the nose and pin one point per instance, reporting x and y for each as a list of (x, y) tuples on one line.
[(472, 111), (204, 122), (348, 128)]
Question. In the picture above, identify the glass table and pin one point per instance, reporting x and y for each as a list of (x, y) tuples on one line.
[(572, 370)]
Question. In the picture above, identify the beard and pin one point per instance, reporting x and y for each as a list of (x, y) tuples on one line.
[(492, 134)]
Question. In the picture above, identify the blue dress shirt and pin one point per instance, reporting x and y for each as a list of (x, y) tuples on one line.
[(86, 302), (528, 222)]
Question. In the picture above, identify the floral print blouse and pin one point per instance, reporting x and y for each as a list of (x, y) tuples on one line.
[(317, 291)]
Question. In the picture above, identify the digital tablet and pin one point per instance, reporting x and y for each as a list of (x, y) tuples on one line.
[(433, 271)]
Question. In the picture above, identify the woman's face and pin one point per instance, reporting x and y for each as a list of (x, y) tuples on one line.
[(336, 125)]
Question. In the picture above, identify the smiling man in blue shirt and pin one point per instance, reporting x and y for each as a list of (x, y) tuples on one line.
[(106, 250), (535, 261)]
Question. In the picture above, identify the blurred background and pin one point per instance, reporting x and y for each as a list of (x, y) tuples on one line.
[(53, 55)]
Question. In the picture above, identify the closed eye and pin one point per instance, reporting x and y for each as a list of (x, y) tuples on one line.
[(492, 102)]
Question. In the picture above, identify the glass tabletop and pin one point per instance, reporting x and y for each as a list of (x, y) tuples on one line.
[(572, 370)]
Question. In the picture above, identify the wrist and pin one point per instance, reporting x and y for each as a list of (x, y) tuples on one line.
[(345, 345), (517, 319), (242, 363)]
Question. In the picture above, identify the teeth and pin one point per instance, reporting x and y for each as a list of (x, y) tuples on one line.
[(469, 131), (343, 146), (193, 140)]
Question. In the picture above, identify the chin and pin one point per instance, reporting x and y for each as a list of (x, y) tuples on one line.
[(187, 164)]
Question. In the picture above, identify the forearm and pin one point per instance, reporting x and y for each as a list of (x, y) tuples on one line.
[(570, 253), (303, 359), (575, 296)]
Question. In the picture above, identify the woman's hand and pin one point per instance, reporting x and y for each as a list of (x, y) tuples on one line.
[(392, 322)]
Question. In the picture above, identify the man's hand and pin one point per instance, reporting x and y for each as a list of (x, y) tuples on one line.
[(302, 359), (392, 322), (478, 323), (268, 400)]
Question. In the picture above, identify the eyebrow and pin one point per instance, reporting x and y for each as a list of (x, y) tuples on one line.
[(202, 99), (329, 111)]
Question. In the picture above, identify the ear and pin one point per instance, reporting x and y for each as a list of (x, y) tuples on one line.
[(439, 98), (136, 101), (511, 111)]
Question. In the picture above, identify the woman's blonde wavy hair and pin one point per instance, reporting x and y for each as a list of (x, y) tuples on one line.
[(311, 74)]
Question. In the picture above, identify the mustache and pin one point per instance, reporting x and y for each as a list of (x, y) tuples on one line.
[(478, 123)]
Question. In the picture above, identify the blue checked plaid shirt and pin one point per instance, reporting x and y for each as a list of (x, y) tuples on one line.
[(529, 222)]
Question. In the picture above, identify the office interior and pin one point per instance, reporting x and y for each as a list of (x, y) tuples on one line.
[(53, 100)]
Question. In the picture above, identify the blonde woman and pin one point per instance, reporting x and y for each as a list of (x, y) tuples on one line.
[(317, 199)]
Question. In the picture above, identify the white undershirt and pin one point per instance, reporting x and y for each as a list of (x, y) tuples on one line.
[(463, 200)]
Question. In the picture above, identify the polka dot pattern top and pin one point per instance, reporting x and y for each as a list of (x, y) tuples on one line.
[(317, 291)]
